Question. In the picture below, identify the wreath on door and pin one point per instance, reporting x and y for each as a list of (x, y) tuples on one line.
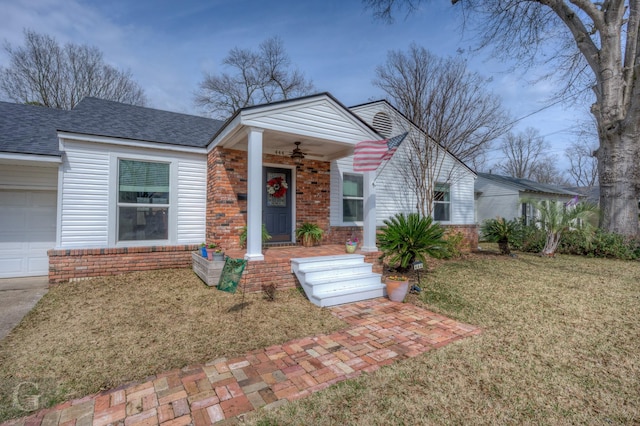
[(277, 187)]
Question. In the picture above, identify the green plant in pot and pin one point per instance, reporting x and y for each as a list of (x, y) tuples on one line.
[(500, 231), (243, 236), (309, 234), (406, 239), (217, 252)]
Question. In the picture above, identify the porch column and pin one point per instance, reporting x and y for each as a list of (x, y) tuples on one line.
[(254, 195), (369, 205)]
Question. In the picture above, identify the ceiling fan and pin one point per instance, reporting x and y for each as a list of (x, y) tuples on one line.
[(297, 155)]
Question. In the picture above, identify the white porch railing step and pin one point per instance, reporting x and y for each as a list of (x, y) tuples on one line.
[(334, 280)]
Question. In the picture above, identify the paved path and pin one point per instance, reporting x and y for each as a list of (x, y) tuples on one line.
[(17, 297), (380, 332)]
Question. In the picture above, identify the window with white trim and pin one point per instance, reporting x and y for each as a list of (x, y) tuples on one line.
[(442, 202), (143, 200), (352, 197)]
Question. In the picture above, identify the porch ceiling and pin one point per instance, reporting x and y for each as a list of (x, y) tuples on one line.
[(282, 143)]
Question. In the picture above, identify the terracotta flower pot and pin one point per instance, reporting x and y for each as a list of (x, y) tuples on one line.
[(397, 290)]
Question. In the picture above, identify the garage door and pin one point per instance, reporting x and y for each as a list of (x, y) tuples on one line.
[(27, 231)]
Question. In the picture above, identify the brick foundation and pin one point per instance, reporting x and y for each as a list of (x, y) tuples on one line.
[(65, 265), (469, 233)]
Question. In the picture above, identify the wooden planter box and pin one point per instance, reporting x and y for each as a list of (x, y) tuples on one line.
[(208, 270)]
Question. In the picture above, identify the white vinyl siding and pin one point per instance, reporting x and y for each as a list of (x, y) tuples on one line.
[(393, 195), (497, 200), (192, 200), (89, 188), (316, 117)]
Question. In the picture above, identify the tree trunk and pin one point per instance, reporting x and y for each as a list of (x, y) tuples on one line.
[(619, 174), (551, 245)]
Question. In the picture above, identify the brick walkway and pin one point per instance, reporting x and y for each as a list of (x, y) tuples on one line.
[(380, 332)]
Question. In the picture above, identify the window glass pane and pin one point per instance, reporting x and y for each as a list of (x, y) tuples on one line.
[(441, 192), (143, 182), (352, 185), (351, 210), (441, 212), (143, 223)]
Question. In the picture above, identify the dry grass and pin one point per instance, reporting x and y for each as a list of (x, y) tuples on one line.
[(560, 346), (97, 334)]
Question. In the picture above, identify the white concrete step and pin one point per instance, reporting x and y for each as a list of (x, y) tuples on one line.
[(339, 297), (333, 280)]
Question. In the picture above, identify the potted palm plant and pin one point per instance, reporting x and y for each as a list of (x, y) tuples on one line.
[(309, 234), (404, 240)]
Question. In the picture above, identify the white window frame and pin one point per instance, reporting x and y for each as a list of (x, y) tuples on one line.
[(172, 204), (446, 203), (343, 198)]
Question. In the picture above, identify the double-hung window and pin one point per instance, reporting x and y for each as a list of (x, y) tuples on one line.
[(143, 200), (352, 198), (442, 202)]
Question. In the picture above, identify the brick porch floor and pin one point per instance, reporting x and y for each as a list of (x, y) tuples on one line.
[(380, 332), (289, 252)]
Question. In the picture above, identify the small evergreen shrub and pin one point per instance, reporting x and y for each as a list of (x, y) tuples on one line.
[(406, 239)]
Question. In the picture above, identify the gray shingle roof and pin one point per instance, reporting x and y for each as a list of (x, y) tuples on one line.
[(98, 117), (527, 185), (28, 129)]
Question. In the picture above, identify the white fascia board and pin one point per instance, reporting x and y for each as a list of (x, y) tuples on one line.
[(127, 142), (230, 129), (34, 158)]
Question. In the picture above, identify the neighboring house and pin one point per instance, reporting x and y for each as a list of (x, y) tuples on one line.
[(508, 197), (107, 187)]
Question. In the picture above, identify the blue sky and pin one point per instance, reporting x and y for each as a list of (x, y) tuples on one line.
[(168, 45)]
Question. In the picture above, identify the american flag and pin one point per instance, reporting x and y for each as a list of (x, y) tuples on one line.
[(368, 155)]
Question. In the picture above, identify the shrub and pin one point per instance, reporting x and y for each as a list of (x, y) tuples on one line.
[(452, 246), (409, 238), (529, 238), (500, 231)]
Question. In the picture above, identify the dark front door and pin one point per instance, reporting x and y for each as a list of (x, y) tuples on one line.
[(276, 205)]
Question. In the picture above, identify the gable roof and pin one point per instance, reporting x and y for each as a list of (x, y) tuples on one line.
[(292, 102), (97, 117), (29, 129), (527, 185), (397, 111)]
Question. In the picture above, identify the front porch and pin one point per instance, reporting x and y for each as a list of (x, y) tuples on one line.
[(275, 270)]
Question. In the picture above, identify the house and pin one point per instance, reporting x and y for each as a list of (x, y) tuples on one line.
[(108, 188), (509, 197)]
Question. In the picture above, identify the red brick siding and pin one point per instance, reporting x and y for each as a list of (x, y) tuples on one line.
[(227, 177), (81, 263)]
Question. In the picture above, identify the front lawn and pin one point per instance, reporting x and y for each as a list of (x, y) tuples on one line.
[(561, 345), (86, 336)]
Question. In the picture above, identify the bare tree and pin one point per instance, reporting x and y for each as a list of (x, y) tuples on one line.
[(451, 108), (443, 98), (525, 157), (257, 77), (45, 73), (583, 165), (589, 44)]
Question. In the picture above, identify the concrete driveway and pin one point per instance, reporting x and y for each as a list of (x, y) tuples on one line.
[(17, 297)]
